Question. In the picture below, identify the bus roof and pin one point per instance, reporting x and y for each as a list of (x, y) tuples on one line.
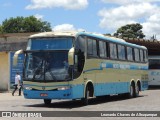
[(111, 39), (76, 33), (53, 34)]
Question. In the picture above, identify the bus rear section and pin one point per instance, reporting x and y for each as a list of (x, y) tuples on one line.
[(154, 71)]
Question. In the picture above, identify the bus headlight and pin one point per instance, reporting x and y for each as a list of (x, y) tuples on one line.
[(27, 88), (64, 88)]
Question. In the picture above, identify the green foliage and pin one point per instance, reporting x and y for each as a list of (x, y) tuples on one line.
[(108, 34), (1, 29), (130, 31), (25, 24)]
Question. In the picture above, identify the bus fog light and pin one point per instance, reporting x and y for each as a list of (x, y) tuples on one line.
[(28, 88), (64, 88)]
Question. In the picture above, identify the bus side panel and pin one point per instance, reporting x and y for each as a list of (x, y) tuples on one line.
[(154, 77), (122, 87), (111, 88), (144, 85), (77, 91)]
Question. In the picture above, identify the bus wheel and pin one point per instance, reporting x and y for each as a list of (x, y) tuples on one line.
[(137, 90), (132, 91), (47, 101), (85, 100)]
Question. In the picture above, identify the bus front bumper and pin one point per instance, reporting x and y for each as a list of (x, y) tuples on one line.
[(44, 94)]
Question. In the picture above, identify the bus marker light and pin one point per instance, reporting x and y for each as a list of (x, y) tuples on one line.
[(43, 94)]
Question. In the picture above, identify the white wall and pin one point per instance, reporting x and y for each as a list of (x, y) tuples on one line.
[(4, 71)]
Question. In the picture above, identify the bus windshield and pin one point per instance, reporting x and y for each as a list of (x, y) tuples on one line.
[(47, 65), (53, 43), (154, 64)]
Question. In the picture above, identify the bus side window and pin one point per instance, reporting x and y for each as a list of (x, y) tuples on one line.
[(121, 52), (92, 47), (102, 49), (129, 54), (113, 51), (136, 54), (145, 56), (80, 43), (107, 50), (141, 56)]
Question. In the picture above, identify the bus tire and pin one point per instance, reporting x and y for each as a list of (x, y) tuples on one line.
[(85, 99), (132, 91), (47, 101), (137, 89)]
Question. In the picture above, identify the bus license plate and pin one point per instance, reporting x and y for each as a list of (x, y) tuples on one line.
[(43, 94)]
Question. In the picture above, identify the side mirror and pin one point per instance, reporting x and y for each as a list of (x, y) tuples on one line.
[(71, 56), (15, 57)]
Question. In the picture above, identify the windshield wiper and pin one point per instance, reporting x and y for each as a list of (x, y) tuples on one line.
[(46, 68), (38, 70)]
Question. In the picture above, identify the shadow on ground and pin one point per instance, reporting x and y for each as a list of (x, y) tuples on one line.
[(154, 87), (69, 104)]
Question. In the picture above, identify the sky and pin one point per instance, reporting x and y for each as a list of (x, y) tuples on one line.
[(98, 16)]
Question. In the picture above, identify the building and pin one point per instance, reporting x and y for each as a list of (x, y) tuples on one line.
[(9, 43)]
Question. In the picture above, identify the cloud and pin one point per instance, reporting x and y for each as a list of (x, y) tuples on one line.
[(7, 5), (38, 16), (152, 26), (143, 13), (66, 27), (67, 4), (63, 27), (124, 2)]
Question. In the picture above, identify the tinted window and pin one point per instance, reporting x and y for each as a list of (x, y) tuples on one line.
[(92, 47), (154, 64), (58, 43), (102, 49), (136, 54), (129, 54), (141, 56), (113, 50), (80, 43), (145, 56), (121, 52)]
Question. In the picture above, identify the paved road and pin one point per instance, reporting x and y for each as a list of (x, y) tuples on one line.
[(147, 101)]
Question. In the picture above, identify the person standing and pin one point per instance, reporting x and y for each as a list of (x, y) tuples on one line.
[(17, 84)]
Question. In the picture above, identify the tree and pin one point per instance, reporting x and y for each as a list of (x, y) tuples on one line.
[(107, 34), (25, 24), (130, 31), (1, 29)]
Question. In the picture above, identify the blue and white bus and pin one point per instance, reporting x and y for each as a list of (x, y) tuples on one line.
[(154, 71), (81, 65)]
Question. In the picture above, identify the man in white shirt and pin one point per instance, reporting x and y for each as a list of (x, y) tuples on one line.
[(17, 84)]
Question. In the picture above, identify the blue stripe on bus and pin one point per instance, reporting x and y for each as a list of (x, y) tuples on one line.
[(77, 91), (36, 94), (93, 69), (118, 66), (111, 88)]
